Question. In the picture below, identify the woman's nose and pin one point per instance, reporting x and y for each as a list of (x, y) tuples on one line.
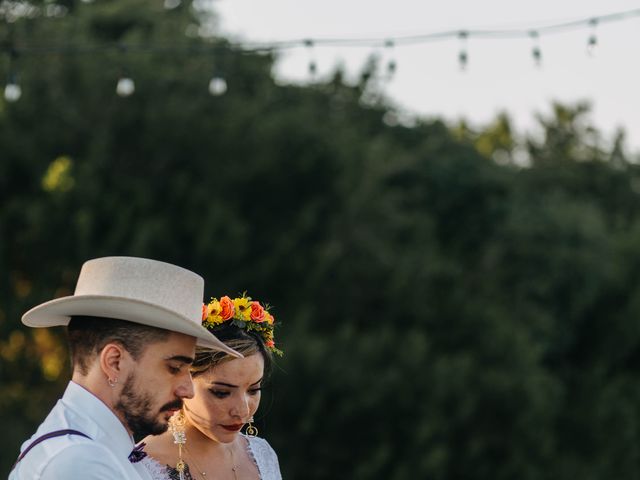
[(241, 408)]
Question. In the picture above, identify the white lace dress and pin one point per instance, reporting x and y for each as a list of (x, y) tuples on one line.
[(258, 448)]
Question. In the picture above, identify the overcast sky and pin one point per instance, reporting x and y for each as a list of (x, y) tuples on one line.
[(501, 74)]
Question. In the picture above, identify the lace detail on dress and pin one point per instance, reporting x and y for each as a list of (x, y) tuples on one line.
[(265, 458), (249, 451), (155, 468), (159, 471)]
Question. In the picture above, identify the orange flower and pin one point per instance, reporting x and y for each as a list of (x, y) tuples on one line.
[(257, 312), (204, 311), (268, 318), (227, 308), (270, 344)]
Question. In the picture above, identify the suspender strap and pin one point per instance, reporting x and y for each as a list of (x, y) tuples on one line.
[(46, 436)]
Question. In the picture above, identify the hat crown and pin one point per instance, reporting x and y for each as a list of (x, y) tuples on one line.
[(150, 281)]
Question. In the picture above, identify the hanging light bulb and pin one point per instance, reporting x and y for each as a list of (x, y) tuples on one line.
[(12, 90), (592, 41), (463, 57), (536, 52), (126, 86), (313, 67), (217, 86), (391, 64), (591, 45)]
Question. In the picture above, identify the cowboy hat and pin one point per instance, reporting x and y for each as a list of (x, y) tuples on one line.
[(138, 290)]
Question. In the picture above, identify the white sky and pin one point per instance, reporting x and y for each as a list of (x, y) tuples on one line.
[(501, 74)]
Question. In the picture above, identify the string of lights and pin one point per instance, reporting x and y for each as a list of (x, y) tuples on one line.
[(500, 33), (218, 86)]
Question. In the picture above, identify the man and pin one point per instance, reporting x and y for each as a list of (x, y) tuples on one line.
[(133, 324)]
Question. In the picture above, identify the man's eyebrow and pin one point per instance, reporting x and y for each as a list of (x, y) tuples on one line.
[(180, 358)]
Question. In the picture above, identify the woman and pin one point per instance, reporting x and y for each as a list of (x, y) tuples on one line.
[(204, 439)]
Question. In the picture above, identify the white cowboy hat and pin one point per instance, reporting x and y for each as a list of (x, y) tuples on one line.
[(138, 290)]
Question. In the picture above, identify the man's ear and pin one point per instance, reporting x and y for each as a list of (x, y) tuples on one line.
[(114, 362)]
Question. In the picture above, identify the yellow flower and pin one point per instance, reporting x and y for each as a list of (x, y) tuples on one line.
[(213, 321), (212, 313), (214, 308), (243, 308)]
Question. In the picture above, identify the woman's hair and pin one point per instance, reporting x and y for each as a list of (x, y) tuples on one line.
[(242, 341)]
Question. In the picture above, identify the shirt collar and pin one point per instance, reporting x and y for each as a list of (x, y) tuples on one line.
[(106, 427)]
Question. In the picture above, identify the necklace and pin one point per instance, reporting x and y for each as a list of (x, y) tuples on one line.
[(233, 464), (203, 473)]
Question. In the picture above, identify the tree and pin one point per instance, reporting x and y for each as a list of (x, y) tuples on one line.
[(446, 312)]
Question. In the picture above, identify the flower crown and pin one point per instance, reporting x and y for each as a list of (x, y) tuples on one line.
[(243, 312)]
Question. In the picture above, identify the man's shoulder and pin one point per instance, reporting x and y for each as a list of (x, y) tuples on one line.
[(89, 459), (68, 458)]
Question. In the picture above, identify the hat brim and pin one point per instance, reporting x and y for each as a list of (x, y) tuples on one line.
[(59, 312)]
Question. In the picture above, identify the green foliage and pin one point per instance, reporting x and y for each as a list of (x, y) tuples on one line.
[(446, 312)]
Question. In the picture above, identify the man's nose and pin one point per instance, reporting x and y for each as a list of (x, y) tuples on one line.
[(185, 388)]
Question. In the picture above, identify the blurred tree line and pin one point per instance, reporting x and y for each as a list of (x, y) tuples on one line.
[(454, 303)]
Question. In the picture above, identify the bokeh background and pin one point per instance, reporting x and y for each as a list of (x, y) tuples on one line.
[(454, 302)]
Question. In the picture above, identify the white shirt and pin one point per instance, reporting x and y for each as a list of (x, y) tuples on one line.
[(103, 456)]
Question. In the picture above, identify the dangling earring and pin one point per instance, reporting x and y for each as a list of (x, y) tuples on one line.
[(112, 383), (251, 430), (176, 427)]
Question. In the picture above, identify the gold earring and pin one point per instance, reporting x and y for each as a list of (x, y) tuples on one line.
[(112, 383), (176, 427), (251, 430)]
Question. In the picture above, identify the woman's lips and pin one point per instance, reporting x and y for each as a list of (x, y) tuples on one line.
[(233, 428)]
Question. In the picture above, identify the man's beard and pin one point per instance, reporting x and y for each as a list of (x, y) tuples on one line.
[(135, 408)]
